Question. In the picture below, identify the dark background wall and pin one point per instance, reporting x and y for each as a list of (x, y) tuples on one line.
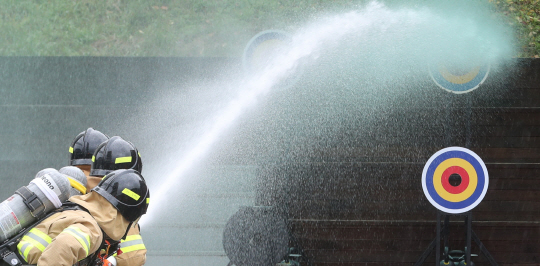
[(355, 198), (46, 101), (346, 173)]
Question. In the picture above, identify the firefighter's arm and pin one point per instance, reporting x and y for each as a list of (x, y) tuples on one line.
[(133, 249), (73, 244)]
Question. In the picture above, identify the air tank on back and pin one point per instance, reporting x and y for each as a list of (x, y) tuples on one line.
[(46, 192)]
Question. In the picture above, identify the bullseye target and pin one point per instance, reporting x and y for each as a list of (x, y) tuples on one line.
[(455, 180), (459, 79)]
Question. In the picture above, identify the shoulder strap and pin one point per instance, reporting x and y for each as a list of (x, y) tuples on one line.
[(68, 205)]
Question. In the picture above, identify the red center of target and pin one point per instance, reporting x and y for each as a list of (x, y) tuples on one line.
[(446, 179)]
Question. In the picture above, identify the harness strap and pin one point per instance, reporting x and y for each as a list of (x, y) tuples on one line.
[(30, 199), (11, 257)]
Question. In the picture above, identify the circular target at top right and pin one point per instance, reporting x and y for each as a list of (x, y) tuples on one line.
[(459, 79)]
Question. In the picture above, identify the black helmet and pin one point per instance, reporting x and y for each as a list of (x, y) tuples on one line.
[(126, 190), (115, 154), (83, 146)]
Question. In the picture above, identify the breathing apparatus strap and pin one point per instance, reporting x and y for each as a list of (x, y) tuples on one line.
[(11, 258), (70, 206), (127, 231), (36, 206)]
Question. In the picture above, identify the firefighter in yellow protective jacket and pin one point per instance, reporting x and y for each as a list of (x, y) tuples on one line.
[(87, 152), (83, 233)]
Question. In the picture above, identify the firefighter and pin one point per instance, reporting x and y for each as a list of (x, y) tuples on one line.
[(117, 153), (97, 160), (82, 149), (85, 231)]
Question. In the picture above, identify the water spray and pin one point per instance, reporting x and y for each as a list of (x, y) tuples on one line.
[(418, 36)]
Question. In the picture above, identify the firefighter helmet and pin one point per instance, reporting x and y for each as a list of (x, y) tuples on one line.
[(126, 190), (84, 145), (114, 154)]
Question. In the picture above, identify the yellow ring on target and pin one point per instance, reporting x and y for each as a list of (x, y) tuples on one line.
[(437, 182), (459, 79)]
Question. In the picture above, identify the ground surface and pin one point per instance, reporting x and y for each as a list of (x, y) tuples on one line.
[(191, 27)]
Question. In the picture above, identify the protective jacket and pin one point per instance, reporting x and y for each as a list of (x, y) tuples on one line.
[(69, 236), (133, 249), (92, 181)]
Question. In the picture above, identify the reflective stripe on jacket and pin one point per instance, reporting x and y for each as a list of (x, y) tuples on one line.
[(34, 239), (133, 249)]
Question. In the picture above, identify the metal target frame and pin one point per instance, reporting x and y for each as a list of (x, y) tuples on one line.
[(447, 198)]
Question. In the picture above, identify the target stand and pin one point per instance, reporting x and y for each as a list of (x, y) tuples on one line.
[(454, 180)]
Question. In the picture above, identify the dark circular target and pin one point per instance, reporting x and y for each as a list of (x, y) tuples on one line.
[(256, 236)]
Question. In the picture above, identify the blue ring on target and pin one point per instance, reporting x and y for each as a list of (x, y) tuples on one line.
[(459, 83), (438, 200)]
